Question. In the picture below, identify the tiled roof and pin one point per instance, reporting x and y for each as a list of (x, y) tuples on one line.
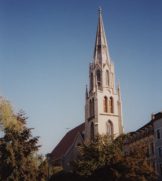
[(147, 129), (157, 116), (62, 147)]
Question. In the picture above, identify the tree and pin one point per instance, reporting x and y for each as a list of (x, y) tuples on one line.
[(18, 148), (7, 117), (104, 159), (42, 173)]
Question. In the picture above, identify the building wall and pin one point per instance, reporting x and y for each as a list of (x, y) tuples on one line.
[(100, 117), (150, 136), (104, 117), (158, 145)]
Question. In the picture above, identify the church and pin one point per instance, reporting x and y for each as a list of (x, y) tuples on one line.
[(103, 105)]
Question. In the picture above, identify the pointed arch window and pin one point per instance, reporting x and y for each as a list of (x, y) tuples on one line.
[(107, 78), (110, 128), (98, 74), (93, 107), (105, 104), (111, 105), (92, 131), (90, 108), (91, 81)]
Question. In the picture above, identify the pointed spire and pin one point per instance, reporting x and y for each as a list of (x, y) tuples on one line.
[(101, 52), (119, 92)]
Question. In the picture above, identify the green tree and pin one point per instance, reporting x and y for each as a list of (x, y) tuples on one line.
[(42, 173), (103, 160), (7, 117), (18, 148)]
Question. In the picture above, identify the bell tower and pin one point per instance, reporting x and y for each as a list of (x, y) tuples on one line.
[(103, 107)]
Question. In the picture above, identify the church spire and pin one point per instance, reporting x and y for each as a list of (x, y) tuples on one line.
[(103, 108), (101, 52)]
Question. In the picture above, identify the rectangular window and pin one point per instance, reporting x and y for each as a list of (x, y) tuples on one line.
[(153, 165), (160, 167), (158, 134), (160, 151)]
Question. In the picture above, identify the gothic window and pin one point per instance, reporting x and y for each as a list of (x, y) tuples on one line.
[(93, 107), (160, 151), (107, 78), (91, 81), (111, 105), (160, 167), (99, 52), (158, 134), (90, 108), (99, 46), (105, 104), (110, 129), (92, 131), (98, 74)]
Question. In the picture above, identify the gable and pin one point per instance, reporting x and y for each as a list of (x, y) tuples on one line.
[(64, 145)]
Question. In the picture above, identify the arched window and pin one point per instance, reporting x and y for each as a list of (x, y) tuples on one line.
[(90, 108), (93, 107), (92, 131), (98, 74), (91, 81), (110, 129), (107, 78), (105, 106), (111, 105)]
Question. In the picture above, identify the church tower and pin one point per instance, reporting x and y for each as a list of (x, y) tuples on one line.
[(103, 108)]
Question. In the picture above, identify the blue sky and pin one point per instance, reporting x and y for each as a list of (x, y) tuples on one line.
[(47, 45)]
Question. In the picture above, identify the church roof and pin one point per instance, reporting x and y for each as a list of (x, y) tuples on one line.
[(62, 147)]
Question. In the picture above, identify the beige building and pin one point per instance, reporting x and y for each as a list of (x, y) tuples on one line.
[(149, 136), (103, 105)]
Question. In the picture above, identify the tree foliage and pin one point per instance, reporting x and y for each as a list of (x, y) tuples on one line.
[(7, 117), (18, 148), (104, 159)]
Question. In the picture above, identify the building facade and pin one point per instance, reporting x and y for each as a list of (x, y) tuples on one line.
[(150, 137), (158, 144)]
